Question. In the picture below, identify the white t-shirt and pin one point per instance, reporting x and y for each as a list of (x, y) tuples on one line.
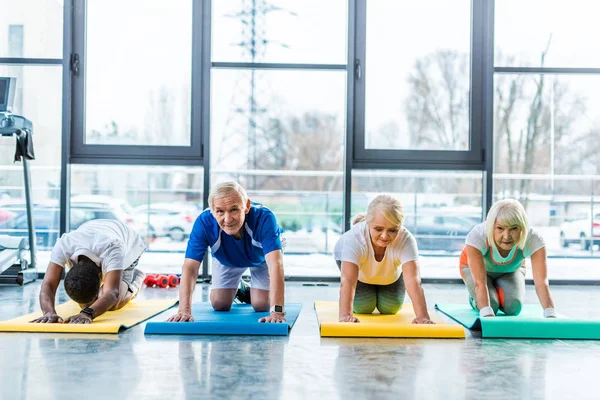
[(109, 243), (355, 246)]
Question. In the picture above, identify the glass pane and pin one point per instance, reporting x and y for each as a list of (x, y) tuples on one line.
[(31, 28), (160, 203), (417, 75), (546, 135), (280, 31), (440, 210), (546, 124), (138, 77), (277, 120), (546, 33), (36, 86), (281, 135)]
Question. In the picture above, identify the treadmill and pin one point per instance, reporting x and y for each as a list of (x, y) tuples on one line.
[(14, 267)]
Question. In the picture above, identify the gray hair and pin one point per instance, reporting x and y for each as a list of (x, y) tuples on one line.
[(226, 189)]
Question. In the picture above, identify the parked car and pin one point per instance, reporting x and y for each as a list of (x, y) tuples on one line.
[(46, 220), (5, 215), (582, 229), (439, 232), (46, 224), (173, 220), (106, 207)]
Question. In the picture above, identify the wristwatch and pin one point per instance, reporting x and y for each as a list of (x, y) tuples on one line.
[(89, 312), (277, 309)]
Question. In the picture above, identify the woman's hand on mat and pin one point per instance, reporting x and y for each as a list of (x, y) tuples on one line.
[(273, 317), (79, 319), (48, 318), (348, 318), (181, 316), (422, 320)]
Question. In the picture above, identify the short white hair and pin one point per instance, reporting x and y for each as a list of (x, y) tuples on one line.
[(507, 212), (226, 189)]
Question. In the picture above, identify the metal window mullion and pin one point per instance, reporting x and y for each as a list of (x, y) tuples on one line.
[(487, 57), (204, 19), (350, 113), (277, 66), (546, 70), (31, 61)]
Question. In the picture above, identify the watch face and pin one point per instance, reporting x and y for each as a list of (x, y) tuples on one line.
[(278, 309), (88, 311)]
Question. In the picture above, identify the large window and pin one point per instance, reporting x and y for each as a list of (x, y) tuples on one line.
[(546, 155), (134, 89), (546, 123), (415, 83), (417, 79)]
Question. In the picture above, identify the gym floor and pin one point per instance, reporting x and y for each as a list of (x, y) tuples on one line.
[(303, 365)]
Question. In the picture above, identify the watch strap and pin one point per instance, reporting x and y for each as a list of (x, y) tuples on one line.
[(89, 312)]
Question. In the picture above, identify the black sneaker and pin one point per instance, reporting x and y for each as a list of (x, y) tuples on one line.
[(243, 293)]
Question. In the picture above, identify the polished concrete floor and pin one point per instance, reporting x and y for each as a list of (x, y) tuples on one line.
[(303, 365)]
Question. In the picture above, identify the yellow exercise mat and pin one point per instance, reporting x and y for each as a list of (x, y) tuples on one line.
[(377, 325), (110, 322)]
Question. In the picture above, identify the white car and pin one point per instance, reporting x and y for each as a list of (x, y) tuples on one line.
[(173, 220), (581, 230), (106, 207)]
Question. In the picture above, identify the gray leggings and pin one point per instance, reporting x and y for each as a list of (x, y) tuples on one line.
[(388, 299), (507, 291)]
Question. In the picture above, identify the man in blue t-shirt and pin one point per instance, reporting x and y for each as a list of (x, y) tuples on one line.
[(240, 235)]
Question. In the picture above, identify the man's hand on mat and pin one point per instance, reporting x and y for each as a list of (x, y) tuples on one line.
[(273, 317), (422, 320), (181, 316), (48, 318), (79, 319), (348, 318)]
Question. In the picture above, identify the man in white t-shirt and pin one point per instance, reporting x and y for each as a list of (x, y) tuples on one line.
[(101, 257)]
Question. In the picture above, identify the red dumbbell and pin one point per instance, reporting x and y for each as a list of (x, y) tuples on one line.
[(162, 281), (173, 280), (150, 280)]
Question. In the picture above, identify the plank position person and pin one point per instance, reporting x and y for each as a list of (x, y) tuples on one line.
[(101, 257), (379, 262), (241, 235), (492, 265)]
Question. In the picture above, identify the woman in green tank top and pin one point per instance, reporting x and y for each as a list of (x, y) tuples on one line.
[(492, 264)]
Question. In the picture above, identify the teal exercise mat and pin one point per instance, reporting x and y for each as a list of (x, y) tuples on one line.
[(529, 324), (240, 320)]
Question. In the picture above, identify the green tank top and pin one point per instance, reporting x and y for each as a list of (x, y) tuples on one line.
[(494, 262)]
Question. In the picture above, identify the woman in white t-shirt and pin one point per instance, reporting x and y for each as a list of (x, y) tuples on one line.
[(492, 264), (378, 258)]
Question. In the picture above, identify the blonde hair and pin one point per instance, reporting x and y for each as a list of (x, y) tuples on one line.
[(226, 189), (507, 212), (389, 206)]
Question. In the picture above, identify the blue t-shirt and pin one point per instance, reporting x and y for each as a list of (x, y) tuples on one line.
[(260, 236)]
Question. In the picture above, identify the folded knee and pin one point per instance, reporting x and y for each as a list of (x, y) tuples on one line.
[(364, 309), (389, 308), (513, 307), (219, 305), (260, 307)]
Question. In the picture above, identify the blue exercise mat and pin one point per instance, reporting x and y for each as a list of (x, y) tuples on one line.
[(240, 320)]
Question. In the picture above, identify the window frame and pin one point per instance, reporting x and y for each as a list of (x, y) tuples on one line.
[(82, 153), (472, 159)]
